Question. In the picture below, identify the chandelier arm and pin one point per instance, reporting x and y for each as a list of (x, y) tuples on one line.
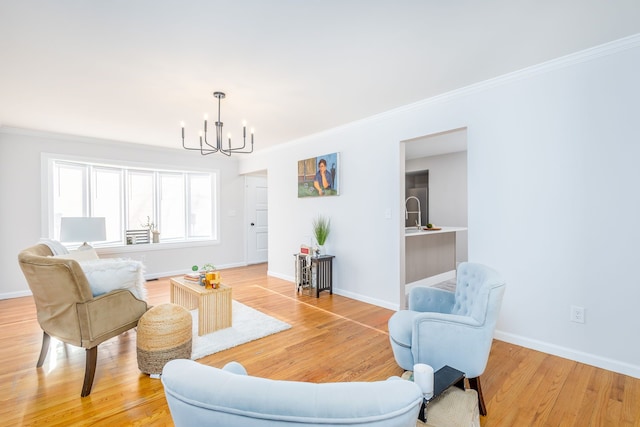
[(237, 150), (213, 149), (190, 148), (218, 148), (207, 152)]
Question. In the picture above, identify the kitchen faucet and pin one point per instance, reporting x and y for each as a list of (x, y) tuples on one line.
[(407, 212)]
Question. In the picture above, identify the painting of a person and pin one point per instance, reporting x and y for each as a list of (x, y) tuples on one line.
[(318, 176), (324, 179)]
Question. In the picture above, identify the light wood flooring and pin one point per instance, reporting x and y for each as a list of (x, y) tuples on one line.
[(332, 338)]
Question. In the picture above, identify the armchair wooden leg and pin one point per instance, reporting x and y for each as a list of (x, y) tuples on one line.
[(90, 370), (474, 383), (44, 350)]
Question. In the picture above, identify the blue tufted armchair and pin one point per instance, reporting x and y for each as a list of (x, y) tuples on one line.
[(445, 328)]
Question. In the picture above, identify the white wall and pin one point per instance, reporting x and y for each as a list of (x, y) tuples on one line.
[(552, 193), (21, 207)]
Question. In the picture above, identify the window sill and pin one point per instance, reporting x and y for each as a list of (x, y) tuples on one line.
[(146, 247)]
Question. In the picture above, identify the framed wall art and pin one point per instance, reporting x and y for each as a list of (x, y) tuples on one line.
[(318, 176)]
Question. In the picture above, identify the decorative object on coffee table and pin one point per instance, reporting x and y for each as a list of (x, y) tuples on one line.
[(164, 334)]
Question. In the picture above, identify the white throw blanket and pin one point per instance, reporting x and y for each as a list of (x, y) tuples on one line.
[(106, 274), (56, 247)]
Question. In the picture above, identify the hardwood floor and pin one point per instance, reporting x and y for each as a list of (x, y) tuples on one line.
[(332, 339)]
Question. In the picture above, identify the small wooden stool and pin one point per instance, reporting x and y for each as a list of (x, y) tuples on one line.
[(163, 334)]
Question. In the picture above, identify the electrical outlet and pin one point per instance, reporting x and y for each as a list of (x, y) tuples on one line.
[(577, 314)]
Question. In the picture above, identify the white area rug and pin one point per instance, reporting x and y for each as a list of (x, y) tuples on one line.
[(248, 325)]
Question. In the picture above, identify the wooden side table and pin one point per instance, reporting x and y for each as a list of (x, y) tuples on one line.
[(214, 305), (314, 273)]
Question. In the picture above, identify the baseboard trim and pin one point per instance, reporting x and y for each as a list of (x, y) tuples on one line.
[(545, 347), (571, 354), (17, 294)]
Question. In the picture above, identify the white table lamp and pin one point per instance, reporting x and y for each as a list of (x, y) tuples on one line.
[(82, 229)]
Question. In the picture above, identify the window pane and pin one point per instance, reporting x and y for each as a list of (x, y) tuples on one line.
[(68, 190), (107, 201), (140, 199), (200, 206), (181, 204), (172, 206)]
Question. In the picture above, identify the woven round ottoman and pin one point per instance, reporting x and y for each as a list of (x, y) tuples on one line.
[(164, 334)]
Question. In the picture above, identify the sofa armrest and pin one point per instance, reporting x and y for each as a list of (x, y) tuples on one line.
[(108, 315), (447, 339), (235, 368)]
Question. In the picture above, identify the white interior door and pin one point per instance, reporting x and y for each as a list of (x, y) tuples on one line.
[(258, 233)]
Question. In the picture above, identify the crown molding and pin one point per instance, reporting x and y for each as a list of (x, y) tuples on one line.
[(586, 55)]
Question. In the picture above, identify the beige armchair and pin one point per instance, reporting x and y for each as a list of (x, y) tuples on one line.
[(68, 311)]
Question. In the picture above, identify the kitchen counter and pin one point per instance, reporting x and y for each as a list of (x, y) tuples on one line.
[(413, 231), (429, 253)]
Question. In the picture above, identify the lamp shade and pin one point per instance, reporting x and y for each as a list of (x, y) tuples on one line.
[(82, 229)]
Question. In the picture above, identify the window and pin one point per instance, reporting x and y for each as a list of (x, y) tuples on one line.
[(181, 204)]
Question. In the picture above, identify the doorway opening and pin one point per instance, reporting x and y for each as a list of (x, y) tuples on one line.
[(439, 161)]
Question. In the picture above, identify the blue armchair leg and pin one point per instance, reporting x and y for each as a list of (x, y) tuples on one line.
[(474, 383)]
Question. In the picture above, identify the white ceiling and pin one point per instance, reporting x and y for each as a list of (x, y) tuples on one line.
[(131, 70)]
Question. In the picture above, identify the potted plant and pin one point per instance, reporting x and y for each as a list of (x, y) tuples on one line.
[(321, 230)]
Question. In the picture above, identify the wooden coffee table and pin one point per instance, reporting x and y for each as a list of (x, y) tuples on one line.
[(214, 305)]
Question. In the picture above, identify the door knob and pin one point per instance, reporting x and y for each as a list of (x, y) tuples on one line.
[(252, 224)]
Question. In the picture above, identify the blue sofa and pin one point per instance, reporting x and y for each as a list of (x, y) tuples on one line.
[(200, 395)]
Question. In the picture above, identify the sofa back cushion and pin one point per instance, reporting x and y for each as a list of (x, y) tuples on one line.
[(205, 396)]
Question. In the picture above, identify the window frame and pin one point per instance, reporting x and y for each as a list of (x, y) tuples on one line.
[(47, 180)]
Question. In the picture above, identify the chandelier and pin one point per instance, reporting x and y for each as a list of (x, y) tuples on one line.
[(206, 148)]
